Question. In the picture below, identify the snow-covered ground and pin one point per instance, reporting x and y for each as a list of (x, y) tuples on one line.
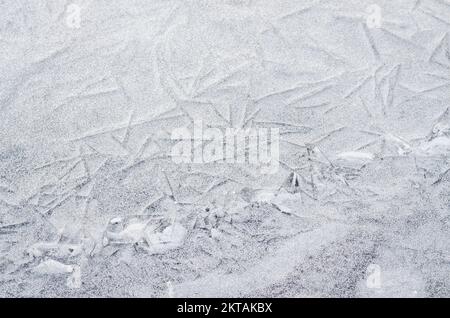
[(93, 204)]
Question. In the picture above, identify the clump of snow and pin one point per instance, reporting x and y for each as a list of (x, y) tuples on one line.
[(157, 236), (52, 267), (171, 237)]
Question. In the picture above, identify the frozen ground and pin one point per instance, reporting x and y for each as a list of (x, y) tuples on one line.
[(91, 203)]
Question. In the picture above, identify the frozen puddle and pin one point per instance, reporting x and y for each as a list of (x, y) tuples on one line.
[(269, 270), (224, 148)]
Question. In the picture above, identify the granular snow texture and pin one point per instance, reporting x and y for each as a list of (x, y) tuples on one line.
[(92, 203)]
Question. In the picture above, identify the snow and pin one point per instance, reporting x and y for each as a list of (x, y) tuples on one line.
[(355, 156), (439, 145), (53, 267)]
